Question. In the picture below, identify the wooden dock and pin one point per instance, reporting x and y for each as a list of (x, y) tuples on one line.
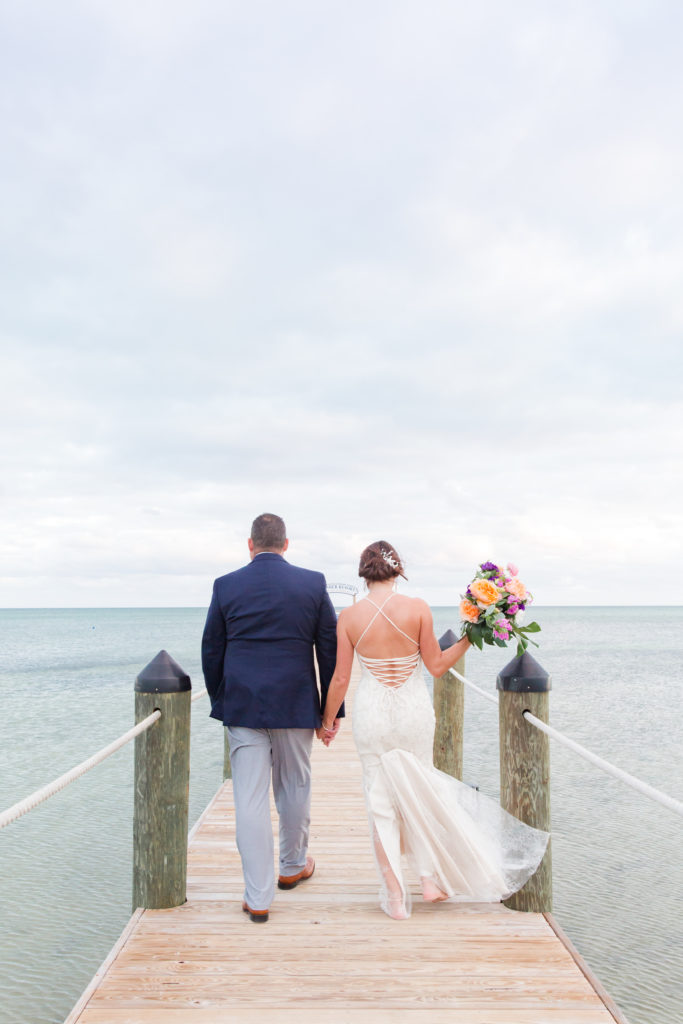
[(328, 955)]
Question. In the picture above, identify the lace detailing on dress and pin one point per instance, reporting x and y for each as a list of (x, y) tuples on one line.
[(465, 843)]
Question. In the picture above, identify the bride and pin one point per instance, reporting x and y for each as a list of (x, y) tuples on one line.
[(460, 843)]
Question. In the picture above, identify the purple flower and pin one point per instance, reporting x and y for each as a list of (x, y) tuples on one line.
[(489, 567)]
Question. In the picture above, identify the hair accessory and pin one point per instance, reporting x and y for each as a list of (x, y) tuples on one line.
[(388, 559)]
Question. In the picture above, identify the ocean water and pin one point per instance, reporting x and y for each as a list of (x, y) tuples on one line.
[(66, 683)]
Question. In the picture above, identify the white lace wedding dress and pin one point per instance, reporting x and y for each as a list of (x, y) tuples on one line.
[(463, 842)]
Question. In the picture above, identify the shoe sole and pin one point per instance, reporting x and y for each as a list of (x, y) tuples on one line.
[(293, 885), (256, 918)]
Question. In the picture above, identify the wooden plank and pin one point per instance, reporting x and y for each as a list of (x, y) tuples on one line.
[(486, 966), (349, 1015)]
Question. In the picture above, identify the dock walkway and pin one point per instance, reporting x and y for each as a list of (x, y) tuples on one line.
[(328, 955)]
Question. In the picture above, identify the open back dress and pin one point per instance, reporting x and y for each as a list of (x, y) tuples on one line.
[(450, 833)]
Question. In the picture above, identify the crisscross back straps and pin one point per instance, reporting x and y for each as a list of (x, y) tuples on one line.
[(389, 671), (380, 611)]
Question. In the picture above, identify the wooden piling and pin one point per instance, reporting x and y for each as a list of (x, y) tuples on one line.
[(162, 782), (449, 709), (525, 766)]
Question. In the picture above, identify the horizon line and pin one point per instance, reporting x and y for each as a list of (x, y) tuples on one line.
[(200, 607)]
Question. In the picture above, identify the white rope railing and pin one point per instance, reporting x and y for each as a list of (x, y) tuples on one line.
[(40, 795), (618, 773), (27, 804), (473, 686)]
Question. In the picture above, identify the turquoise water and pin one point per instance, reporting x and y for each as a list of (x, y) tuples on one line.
[(66, 679)]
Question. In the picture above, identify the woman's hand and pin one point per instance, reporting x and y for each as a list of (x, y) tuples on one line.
[(326, 734), (339, 682)]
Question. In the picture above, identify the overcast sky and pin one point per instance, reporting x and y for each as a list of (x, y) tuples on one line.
[(403, 270)]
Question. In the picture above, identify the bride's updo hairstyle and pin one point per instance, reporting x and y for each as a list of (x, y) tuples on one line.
[(380, 562)]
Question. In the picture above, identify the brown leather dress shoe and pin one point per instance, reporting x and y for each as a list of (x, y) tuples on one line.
[(258, 916), (291, 881)]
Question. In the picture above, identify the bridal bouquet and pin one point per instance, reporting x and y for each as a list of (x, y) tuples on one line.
[(493, 608)]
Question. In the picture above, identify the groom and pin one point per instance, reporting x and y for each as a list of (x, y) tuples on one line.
[(264, 624)]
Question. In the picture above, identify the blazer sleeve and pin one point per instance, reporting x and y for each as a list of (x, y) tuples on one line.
[(326, 645), (214, 641)]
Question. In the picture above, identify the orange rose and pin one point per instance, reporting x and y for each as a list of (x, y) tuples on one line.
[(485, 591), (468, 611), (516, 588)]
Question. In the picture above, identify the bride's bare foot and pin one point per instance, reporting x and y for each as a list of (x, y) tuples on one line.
[(395, 908), (431, 892)]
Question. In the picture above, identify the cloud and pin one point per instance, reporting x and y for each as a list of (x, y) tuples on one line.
[(392, 271)]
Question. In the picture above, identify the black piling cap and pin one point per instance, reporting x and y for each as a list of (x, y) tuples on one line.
[(162, 675), (448, 639), (523, 675)]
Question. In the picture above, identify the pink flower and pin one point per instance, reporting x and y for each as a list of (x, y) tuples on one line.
[(517, 589), (512, 568)]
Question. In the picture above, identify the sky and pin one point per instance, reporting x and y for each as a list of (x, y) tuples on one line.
[(400, 270)]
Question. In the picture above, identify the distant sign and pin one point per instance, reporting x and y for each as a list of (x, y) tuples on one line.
[(342, 588)]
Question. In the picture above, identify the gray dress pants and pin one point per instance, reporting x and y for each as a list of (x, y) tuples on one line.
[(254, 755)]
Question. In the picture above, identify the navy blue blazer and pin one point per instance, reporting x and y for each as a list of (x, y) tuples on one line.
[(264, 623)]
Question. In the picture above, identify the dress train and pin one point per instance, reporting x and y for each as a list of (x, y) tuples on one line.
[(453, 835)]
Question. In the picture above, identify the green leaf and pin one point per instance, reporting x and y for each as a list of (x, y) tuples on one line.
[(533, 627), (527, 640)]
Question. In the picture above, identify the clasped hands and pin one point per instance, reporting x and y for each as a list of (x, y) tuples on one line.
[(327, 735)]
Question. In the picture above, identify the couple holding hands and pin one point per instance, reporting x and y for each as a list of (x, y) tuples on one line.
[(265, 624)]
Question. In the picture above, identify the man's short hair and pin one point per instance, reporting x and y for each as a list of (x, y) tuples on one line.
[(268, 532)]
